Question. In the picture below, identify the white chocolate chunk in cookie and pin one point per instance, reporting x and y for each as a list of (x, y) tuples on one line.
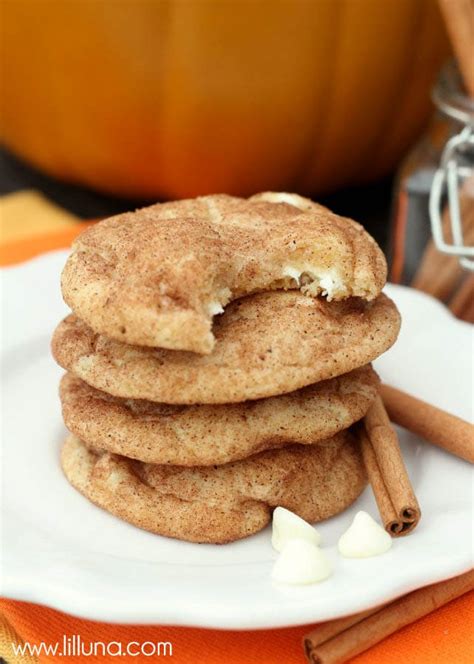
[(215, 308), (314, 280)]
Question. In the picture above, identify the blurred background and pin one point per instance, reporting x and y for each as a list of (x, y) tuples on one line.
[(108, 105)]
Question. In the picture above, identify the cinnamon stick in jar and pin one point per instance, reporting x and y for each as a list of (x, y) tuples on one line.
[(394, 495), (458, 16), (462, 302), (449, 432)]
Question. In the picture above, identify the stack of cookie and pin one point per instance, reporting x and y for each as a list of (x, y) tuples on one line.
[(217, 357)]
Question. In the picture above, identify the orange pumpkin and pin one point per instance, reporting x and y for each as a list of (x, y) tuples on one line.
[(172, 98)]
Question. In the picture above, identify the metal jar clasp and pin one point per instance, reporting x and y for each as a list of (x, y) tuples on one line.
[(451, 171)]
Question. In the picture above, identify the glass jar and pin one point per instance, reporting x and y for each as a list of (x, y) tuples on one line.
[(411, 228)]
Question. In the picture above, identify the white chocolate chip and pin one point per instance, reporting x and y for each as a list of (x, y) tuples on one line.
[(215, 308), (287, 526), (331, 285), (284, 197), (292, 272), (364, 538), (314, 280), (301, 563)]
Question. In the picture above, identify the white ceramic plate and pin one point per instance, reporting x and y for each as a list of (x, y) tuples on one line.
[(60, 550)]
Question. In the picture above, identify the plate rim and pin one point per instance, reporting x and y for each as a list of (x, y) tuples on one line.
[(47, 593)]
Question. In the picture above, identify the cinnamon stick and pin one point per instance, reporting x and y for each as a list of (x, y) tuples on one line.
[(339, 640), (462, 302), (433, 424), (387, 473), (458, 16)]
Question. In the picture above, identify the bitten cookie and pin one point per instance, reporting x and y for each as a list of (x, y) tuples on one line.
[(157, 276)]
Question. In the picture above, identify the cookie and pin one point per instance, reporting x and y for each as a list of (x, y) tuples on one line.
[(221, 503), (157, 277), (267, 344), (215, 434)]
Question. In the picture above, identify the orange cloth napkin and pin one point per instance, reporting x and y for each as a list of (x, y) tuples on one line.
[(443, 637)]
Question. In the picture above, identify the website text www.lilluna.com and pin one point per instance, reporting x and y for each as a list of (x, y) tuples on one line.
[(75, 646)]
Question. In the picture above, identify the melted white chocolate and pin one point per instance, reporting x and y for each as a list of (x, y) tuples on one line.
[(313, 280), (215, 308)]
